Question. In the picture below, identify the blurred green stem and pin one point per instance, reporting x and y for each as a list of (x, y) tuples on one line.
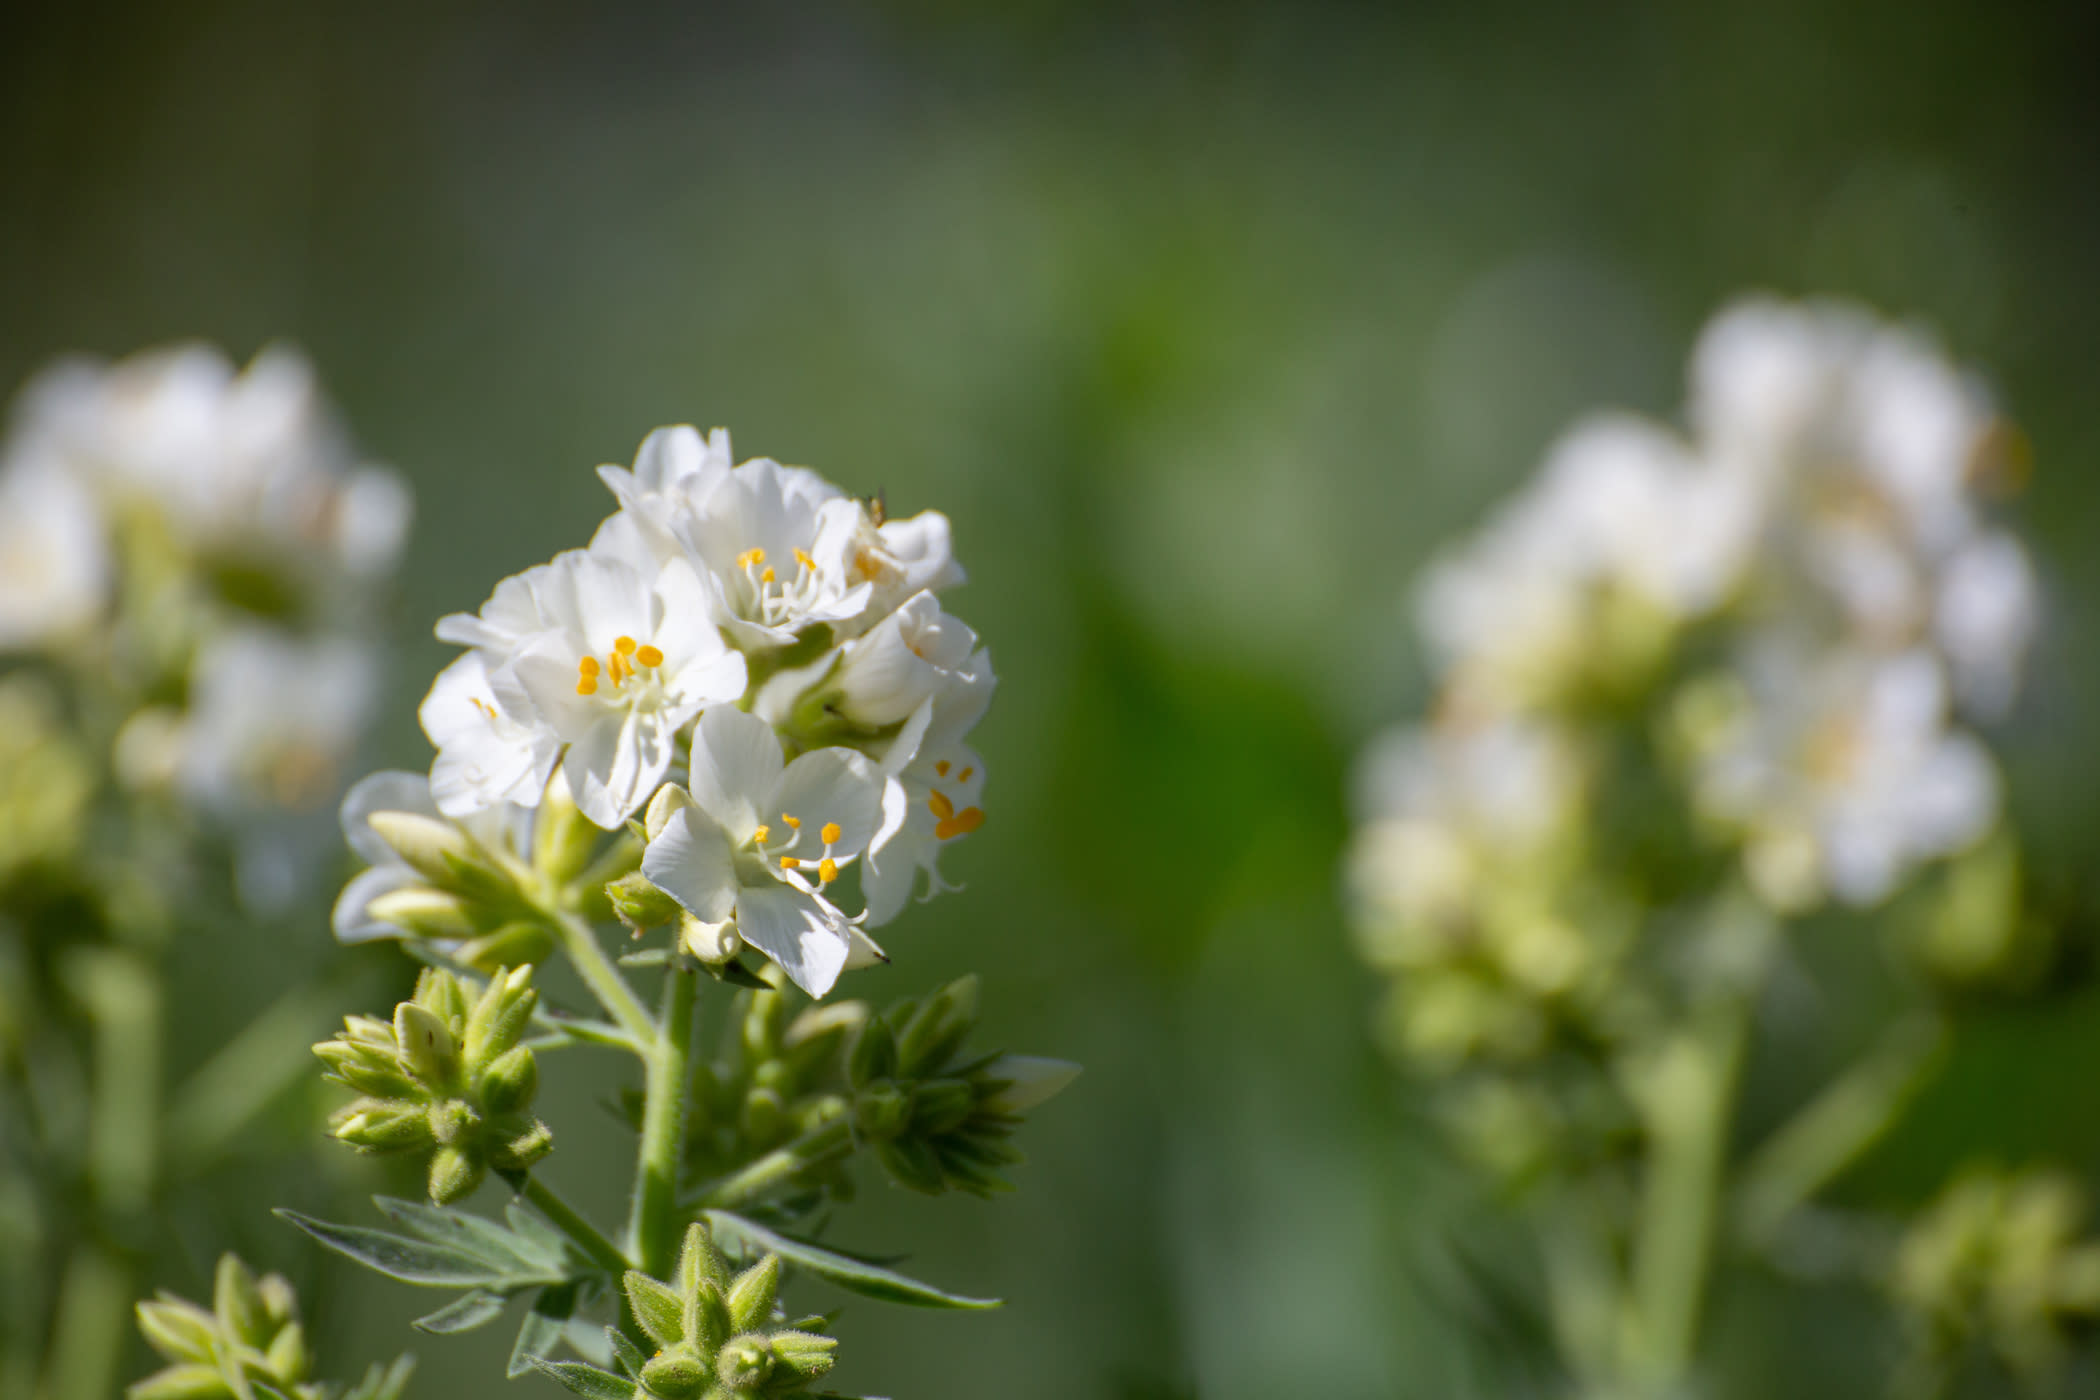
[(580, 941), (653, 1225), (88, 1333), (748, 1183), (567, 1219)]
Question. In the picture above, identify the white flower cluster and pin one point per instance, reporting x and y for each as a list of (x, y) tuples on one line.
[(1811, 574), (202, 537), (755, 662)]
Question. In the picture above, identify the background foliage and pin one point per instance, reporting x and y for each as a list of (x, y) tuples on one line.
[(1203, 324)]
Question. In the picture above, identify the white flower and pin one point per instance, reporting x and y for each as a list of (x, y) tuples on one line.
[(486, 757), (505, 828), (590, 653), (1843, 774), (911, 657), (1986, 618), (744, 840), (54, 561)]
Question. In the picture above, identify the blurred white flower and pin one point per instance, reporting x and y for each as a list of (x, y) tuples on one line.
[(54, 560), (756, 839), (506, 828), (486, 757)]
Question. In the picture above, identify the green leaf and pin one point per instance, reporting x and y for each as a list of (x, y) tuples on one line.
[(579, 1379), (421, 1262), (468, 1311), (625, 1352), (853, 1275), (541, 1331), (474, 1234), (383, 1384)]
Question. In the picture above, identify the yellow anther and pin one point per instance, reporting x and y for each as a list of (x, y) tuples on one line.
[(587, 666), (941, 806), (827, 870), (751, 556), (483, 706), (618, 666), (829, 834), (805, 561), (625, 645), (789, 863), (759, 836), (766, 576), (794, 823), (586, 685), (964, 776), (961, 824), (941, 768), (649, 656)]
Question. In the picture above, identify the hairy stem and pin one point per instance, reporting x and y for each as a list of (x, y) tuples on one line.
[(830, 1143), (653, 1225), (567, 1219), (580, 941)]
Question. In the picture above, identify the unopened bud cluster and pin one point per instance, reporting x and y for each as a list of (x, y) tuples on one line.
[(717, 1332), (781, 1075), (250, 1333), (446, 1076)]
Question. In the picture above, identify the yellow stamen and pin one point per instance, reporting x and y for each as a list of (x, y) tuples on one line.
[(794, 823), (587, 666), (827, 870), (617, 665), (829, 834), (941, 768), (625, 645), (789, 863), (805, 561), (586, 685), (759, 836), (649, 656), (751, 556), (941, 806), (964, 776), (766, 576), (961, 824), (483, 706)]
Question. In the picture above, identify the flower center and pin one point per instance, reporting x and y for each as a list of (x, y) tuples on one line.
[(948, 823), (627, 660), (826, 865), (770, 600)]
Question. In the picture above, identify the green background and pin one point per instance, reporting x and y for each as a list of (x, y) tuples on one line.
[(1203, 324)]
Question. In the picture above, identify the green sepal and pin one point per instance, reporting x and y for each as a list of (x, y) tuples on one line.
[(656, 1307)]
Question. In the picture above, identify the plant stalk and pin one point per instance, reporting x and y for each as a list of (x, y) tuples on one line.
[(747, 1183), (567, 1219), (653, 1225), (580, 941)]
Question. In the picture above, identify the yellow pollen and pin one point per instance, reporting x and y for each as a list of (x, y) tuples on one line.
[(649, 656), (624, 645), (750, 556), (941, 806), (961, 824), (827, 870), (618, 666), (759, 836), (964, 776), (941, 768), (805, 561), (587, 666), (766, 577), (789, 863), (829, 834), (483, 706), (794, 823), (586, 685)]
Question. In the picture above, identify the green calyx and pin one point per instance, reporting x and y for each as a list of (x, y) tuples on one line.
[(716, 1332), (250, 1333), (446, 1075)]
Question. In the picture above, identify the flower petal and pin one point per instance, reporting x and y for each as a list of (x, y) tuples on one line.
[(805, 936), (693, 860), (736, 762), (831, 786), (387, 791)]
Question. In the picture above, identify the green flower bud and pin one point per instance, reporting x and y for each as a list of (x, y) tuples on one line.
[(454, 1174), (744, 1362), (424, 913), (563, 838), (776, 1075), (189, 1381), (433, 848), (881, 1111), (1021, 1082), (639, 903), (454, 1122), (366, 1068), (384, 1127), (525, 1150), (765, 1021), (699, 1259), (500, 1017), (911, 1163), (239, 1302), (526, 941), (656, 1307), (675, 1375), (440, 993), (713, 944), (511, 1082), (178, 1330), (819, 1033), (938, 1029), (751, 1296), (279, 1301), (427, 1045), (762, 1114), (874, 1053), (704, 1315), (941, 1106), (805, 1353), (288, 1358)]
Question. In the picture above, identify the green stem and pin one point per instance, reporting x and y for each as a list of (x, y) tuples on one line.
[(567, 1219), (814, 1148), (653, 1226), (580, 941)]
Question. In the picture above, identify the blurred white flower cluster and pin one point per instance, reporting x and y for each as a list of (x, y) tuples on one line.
[(1806, 588), (754, 665), (198, 547)]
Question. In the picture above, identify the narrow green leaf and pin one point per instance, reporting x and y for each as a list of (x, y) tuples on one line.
[(579, 1379), (853, 1275), (625, 1352), (383, 1383), (414, 1261), (468, 1311), (541, 1330), (472, 1233)]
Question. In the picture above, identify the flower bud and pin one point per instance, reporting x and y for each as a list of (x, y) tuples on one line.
[(423, 913), (385, 1127), (288, 1358), (675, 1375), (280, 1303), (751, 1296), (761, 1115), (186, 1382), (526, 1150), (427, 1045), (911, 1163), (874, 1053), (563, 838), (454, 1122), (439, 993), (454, 1174), (669, 801), (365, 1068), (807, 1354), (525, 941), (941, 1106), (433, 848), (765, 1020), (938, 1028), (500, 1016), (510, 1082), (743, 1362), (177, 1330), (881, 1111), (704, 1314), (639, 903), (239, 1303), (712, 944), (1027, 1080)]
